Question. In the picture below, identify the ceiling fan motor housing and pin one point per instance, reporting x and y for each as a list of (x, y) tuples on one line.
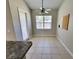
[(43, 10)]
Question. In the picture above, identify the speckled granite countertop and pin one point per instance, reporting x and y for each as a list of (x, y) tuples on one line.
[(17, 49)]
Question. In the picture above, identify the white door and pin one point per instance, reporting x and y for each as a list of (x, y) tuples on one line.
[(23, 22)]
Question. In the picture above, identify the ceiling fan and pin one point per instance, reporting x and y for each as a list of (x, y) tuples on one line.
[(43, 10)]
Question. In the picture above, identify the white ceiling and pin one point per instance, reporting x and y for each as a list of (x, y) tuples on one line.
[(36, 4)]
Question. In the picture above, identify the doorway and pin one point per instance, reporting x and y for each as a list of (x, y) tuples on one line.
[(23, 23)]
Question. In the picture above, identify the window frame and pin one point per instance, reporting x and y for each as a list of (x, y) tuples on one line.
[(44, 23)]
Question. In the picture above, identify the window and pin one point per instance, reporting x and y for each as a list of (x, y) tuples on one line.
[(43, 22)]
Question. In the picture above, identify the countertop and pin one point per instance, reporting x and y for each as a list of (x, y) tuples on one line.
[(17, 49)]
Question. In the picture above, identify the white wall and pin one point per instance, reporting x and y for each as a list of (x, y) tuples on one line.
[(38, 32), (10, 34), (66, 36), (14, 5)]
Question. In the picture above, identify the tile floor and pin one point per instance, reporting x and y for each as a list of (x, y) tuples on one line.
[(47, 48)]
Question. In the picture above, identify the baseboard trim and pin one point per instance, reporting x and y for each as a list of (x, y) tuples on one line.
[(66, 47), (44, 35)]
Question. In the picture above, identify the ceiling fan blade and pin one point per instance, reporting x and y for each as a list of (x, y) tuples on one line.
[(48, 9), (46, 12), (41, 8)]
